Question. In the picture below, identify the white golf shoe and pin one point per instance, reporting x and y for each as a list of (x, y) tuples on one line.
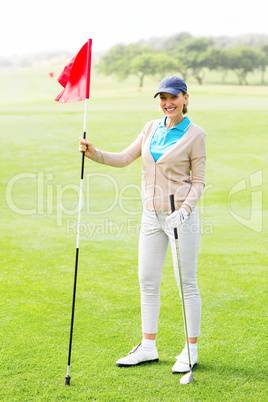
[(182, 363), (137, 356)]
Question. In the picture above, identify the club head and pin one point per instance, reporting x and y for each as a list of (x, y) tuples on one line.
[(67, 380), (187, 378)]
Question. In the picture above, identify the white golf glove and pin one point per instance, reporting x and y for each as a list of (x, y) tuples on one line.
[(177, 218)]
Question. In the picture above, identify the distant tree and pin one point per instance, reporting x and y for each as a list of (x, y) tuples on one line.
[(186, 55), (117, 61), (152, 64), (191, 55), (252, 40), (244, 60), (138, 60), (264, 48), (113, 62), (175, 39), (264, 64), (217, 59), (162, 43)]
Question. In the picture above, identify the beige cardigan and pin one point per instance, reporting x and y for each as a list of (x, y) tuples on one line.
[(179, 171)]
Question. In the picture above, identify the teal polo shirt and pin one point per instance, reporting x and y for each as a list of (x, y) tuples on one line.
[(164, 138)]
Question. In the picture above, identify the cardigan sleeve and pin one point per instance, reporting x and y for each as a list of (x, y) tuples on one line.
[(198, 164)]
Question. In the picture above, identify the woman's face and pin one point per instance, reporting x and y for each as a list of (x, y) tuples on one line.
[(172, 105)]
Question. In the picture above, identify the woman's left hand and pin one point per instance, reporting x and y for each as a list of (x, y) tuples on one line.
[(177, 218)]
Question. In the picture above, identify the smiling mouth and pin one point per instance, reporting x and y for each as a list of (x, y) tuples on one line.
[(170, 109)]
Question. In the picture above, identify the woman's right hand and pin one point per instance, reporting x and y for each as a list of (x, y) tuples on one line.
[(87, 147)]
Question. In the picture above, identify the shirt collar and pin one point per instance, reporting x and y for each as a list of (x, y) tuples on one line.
[(182, 126)]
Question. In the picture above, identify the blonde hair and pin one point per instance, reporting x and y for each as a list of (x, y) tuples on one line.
[(185, 107)]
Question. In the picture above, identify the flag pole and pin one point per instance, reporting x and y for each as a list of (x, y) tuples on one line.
[(68, 378)]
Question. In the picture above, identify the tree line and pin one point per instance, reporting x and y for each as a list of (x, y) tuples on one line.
[(188, 56)]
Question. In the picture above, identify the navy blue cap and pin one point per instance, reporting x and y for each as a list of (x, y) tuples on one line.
[(171, 85)]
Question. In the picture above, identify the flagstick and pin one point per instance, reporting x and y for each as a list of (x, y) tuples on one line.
[(68, 378)]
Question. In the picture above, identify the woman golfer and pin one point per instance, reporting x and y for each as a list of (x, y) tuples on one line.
[(173, 152)]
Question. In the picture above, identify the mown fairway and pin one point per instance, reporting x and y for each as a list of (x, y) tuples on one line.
[(40, 175)]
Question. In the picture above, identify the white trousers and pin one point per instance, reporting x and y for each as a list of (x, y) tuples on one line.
[(155, 236)]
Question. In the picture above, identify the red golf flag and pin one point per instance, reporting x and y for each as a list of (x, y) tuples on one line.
[(75, 77)]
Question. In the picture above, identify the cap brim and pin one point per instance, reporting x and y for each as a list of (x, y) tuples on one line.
[(171, 91)]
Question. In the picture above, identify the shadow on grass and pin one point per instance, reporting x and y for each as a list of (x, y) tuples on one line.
[(229, 372)]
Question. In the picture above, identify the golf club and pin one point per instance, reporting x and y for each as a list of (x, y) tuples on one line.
[(189, 377)]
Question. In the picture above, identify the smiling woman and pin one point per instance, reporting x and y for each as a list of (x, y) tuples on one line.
[(174, 102), (173, 152), (173, 107)]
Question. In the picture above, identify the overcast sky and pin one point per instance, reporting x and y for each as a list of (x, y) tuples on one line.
[(28, 26)]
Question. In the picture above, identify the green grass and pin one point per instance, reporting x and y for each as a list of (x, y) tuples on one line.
[(39, 142)]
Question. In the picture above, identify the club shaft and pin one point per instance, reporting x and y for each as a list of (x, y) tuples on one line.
[(182, 300), (176, 238)]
